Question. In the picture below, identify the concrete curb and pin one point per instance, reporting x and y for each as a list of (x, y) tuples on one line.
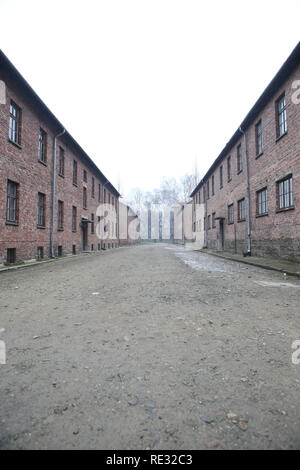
[(258, 265)]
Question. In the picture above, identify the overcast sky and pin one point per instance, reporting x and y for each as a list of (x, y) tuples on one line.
[(148, 87)]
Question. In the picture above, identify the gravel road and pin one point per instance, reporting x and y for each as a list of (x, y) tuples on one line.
[(149, 347)]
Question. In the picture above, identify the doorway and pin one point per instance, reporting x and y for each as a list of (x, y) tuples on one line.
[(84, 228), (222, 234)]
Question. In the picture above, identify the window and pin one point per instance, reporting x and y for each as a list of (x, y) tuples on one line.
[(207, 189), (229, 168), (261, 202), (258, 138), (41, 210), (84, 202), (208, 222), (92, 247), (113, 201), (93, 187), (74, 219), (281, 122), (93, 223), (212, 185), (285, 193), (230, 214), (42, 146), (40, 252), (204, 195), (59, 250), (221, 176), (15, 123), (60, 219), (204, 222), (11, 255), (213, 220), (104, 196), (108, 198), (61, 166), (239, 159), (12, 203), (241, 209), (85, 176), (75, 172), (73, 249), (99, 192)]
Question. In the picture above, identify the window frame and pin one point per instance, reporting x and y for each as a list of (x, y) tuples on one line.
[(258, 138), (239, 159), (260, 204), (60, 215), (12, 198), (280, 112), (231, 213), (61, 162), (41, 210), (241, 203), (14, 133), (285, 195), (42, 151)]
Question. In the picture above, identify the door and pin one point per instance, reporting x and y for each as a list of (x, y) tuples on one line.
[(222, 234), (84, 227)]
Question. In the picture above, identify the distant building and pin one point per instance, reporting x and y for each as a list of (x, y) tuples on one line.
[(251, 193)]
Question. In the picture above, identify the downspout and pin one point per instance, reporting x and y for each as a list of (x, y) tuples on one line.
[(205, 216), (248, 192), (103, 202), (54, 195)]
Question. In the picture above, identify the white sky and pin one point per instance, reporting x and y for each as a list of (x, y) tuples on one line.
[(147, 87)]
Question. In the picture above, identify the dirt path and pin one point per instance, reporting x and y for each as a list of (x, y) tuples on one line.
[(149, 347)]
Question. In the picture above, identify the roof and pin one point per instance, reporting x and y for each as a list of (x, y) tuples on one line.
[(6, 64), (286, 69)]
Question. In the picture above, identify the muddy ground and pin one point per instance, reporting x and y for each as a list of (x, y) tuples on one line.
[(149, 347)]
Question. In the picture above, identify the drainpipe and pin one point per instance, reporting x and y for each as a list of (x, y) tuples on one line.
[(248, 192), (103, 202), (54, 194), (205, 215)]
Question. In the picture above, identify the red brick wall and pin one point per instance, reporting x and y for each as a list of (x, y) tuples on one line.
[(278, 233), (21, 165)]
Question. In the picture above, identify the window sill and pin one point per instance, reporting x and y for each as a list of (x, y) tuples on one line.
[(230, 223), (61, 175), (259, 155), (74, 231), (11, 222), (228, 181), (241, 220), (41, 226), (239, 172), (75, 184), (60, 229), (43, 163), (284, 209), (262, 215), (280, 137), (14, 143)]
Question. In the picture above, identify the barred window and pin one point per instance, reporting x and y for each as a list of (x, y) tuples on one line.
[(230, 214), (60, 220), (281, 116), (229, 168), (12, 213), (221, 176), (42, 146), (285, 193), (75, 172), (84, 197), (258, 138), (93, 187), (239, 159), (41, 210), (74, 218), (212, 185), (85, 176), (61, 167), (241, 209), (15, 123), (262, 201)]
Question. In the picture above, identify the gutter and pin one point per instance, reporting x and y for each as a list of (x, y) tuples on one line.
[(52, 254), (248, 193)]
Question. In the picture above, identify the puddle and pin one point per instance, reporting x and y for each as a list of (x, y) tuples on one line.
[(276, 284)]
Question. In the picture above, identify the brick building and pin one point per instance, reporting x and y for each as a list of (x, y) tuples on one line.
[(50, 188), (251, 193)]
